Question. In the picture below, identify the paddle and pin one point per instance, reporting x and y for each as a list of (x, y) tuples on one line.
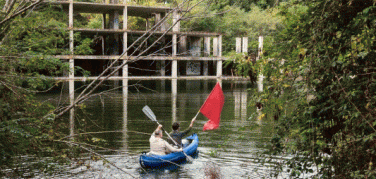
[(151, 116)]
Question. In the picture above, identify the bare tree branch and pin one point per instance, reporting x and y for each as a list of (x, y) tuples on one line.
[(82, 97), (20, 12)]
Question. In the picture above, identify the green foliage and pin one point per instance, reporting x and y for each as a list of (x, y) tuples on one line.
[(323, 68), (245, 5), (234, 21), (95, 21), (320, 87), (28, 131), (243, 66), (83, 48), (136, 23)]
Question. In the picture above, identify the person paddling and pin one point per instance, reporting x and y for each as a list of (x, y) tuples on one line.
[(158, 146), (177, 135)]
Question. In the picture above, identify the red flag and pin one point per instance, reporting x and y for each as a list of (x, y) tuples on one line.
[(212, 108)]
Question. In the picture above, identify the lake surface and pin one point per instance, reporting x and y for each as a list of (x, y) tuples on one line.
[(117, 118)]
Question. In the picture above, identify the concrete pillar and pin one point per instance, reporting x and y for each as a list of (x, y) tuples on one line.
[(245, 45), (125, 77), (206, 54), (237, 101), (71, 111), (238, 44), (160, 64), (104, 22), (215, 46), (215, 51), (125, 114), (71, 69), (182, 48), (219, 62), (260, 85), (219, 80), (114, 24), (174, 91), (244, 97), (163, 68), (175, 28), (116, 20), (182, 51), (176, 17), (157, 17), (261, 45), (174, 65), (104, 26), (163, 25), (147, 24), (71, 40), (125, 40), (115, 42), (241, 45)]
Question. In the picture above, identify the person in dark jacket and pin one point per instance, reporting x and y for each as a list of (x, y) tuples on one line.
[(177, 135)]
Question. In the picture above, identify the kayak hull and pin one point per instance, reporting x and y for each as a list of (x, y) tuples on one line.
[(161, 161)]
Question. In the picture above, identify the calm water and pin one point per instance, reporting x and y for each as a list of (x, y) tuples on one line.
[(118, 119)]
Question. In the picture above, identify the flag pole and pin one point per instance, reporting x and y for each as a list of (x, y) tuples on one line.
[(197, 114)]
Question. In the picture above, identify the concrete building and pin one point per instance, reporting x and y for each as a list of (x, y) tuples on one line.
[(167, 54)]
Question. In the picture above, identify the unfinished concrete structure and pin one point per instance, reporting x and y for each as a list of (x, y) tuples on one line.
[(177, 55)]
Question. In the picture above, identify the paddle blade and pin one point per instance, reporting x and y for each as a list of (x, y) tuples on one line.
[(149, 113)]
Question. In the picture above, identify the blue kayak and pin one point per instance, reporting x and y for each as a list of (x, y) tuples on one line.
[(160, 161)]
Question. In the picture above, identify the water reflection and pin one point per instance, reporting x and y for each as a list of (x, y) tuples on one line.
[(125, 113), (232, 146), (174, 93)]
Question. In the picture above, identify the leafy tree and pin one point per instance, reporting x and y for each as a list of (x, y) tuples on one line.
[(325, 59), (31, 33), (245, 5)]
